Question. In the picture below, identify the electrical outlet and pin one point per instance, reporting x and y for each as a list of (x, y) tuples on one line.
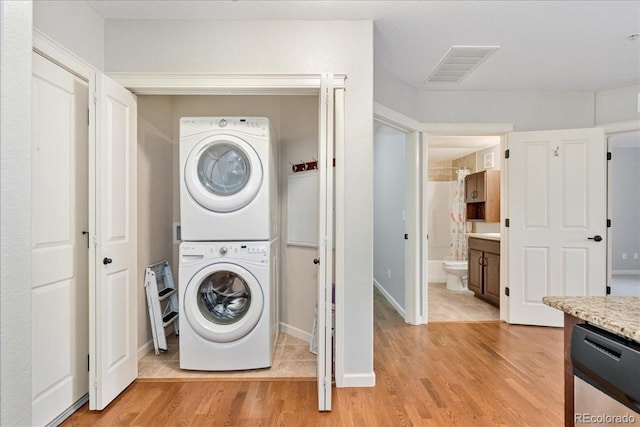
[(624, 255), (389, 274)]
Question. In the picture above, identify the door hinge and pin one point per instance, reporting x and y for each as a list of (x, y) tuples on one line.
[(507, 223), (609, 155), (88, 362), (506, 154), (95, 98), (506, 291), (608, 290), (406, 236), (608, 223)]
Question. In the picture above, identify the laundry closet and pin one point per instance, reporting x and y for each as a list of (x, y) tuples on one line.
[(294, 120)]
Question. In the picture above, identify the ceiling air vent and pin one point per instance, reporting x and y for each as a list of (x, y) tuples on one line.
[(458, 63)]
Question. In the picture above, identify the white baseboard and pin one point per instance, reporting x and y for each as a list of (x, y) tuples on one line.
[(358, 380), (144, 349), (389, 298), (295, 332), (66, 414), (618, 272)]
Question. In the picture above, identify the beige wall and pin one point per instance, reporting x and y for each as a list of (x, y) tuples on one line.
[(155, 196), (295, 123)]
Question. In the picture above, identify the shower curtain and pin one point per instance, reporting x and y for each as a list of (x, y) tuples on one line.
[(458, 219)]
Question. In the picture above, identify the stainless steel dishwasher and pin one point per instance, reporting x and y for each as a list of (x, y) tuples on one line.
[(606, 369)]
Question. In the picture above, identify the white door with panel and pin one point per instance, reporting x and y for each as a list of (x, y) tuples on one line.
[(557, 213), (60, 286), (113, 320)]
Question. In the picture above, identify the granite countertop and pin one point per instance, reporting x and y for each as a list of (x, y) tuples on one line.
[(486, 236), (620, 315)]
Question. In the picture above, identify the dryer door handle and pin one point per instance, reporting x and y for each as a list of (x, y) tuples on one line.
[(316, 261)]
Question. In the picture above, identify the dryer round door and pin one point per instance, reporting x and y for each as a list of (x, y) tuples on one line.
[(223, 173), (223, 302)]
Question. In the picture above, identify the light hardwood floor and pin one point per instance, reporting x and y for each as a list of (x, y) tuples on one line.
[(441, 374)]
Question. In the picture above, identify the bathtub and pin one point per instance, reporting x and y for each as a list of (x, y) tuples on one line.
[(436, 272), (437, 255)]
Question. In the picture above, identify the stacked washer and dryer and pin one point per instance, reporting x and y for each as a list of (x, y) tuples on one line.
[(228, 272)]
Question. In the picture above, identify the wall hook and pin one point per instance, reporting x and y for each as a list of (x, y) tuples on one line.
[(555, 152)]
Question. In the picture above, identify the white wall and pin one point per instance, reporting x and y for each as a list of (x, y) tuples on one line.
[(617, 105), (527, 110), (394, 93), (285, 47), (15, 211), (389, 182), (74, 25)]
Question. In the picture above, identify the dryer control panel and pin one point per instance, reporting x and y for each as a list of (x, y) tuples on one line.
[(252, 125)]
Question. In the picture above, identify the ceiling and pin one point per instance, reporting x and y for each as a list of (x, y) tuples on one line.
[(544, 45)]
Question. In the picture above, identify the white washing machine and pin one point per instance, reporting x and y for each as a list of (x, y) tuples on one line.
[(229, 185), (228, 300)]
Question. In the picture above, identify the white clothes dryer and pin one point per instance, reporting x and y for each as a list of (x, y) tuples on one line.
[(228, 304), (229, 184)]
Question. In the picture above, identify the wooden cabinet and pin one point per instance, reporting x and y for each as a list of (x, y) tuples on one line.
[(484, 269), (482, 195)]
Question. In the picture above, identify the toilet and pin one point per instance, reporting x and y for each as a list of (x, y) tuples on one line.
[(456, 275)]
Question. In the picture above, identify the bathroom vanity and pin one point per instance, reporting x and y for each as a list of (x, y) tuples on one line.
[(484, 266)]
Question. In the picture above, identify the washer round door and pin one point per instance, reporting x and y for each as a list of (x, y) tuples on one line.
[(223, 302), (223, 173)]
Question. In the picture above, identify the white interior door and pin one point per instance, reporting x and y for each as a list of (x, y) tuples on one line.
[(60, 337), (557, 212), (325, 242), (113, 320)]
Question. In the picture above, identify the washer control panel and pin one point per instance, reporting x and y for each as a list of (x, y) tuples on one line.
[(246, 251)]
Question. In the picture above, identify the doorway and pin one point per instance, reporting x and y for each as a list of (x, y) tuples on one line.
[(389, 214), (295, 124), (623, 207), (451, 158)]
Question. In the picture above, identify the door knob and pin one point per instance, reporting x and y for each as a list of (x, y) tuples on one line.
[(316, 261), (106, 261), (596, 238)]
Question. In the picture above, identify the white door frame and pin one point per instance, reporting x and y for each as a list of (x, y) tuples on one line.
[(284, 84), (417, 256)]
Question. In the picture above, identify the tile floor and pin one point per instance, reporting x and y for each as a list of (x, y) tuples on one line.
[(458, 306), (292, 359)]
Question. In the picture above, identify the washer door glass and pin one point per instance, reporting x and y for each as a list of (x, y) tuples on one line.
[(224, 297), (223, 302), (223, 169), (223, 173)]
